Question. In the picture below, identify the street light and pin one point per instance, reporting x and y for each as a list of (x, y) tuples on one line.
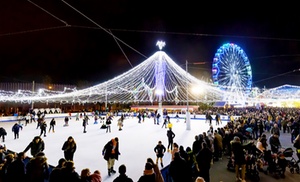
[(188, 116)]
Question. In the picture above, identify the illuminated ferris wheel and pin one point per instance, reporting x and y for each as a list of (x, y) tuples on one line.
[(231, 70)]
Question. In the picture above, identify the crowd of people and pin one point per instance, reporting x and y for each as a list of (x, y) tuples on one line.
[(189, 164)]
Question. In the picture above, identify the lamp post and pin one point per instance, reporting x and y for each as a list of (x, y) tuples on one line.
[(188, 118), (32, 103)]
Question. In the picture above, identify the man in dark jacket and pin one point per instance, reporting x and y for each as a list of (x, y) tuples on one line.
[(16, 129), (204, 158), (36, 145), (122, 177), (111, 153), (2, 133), (179, 169)]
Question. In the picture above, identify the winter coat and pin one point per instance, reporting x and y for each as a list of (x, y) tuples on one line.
[(35, 147), (107, 151), (2, 131), (16, 128)]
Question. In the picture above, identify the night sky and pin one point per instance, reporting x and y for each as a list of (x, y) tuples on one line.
[(71, 41)]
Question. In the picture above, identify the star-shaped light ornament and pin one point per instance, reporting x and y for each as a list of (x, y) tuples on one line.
[(160, 44)]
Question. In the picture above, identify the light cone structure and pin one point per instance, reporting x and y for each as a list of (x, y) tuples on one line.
[(156, 79)]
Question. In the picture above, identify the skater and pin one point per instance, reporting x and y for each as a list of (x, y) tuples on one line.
[(108, 123), (120, 122), (27, 118), (84, 123), (77, 116), (165, 123), (36, 145), (2, 134), (171, 136), (160, 150), (177, 117), (43, 127), (111, 153), (96, 119), (69, 147), (16, 129), (66, 121), (52, 124)]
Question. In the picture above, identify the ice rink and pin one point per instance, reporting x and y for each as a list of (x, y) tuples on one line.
[(136, 142)]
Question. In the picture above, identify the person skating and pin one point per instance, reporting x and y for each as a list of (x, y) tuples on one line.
[(16, 129), (69, 147), (36, 145), (52, 124), (171, 136), (111, 153), (43, 127), (160, 150)]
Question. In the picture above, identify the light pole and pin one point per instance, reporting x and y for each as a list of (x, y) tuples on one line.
[(188, 118), (32, 103)]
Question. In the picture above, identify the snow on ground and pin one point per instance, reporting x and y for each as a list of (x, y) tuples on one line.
[(137, 141)]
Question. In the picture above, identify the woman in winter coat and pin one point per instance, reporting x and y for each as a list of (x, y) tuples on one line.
[(69, 147)]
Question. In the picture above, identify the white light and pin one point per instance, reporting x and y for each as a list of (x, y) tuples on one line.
[(160, 44)]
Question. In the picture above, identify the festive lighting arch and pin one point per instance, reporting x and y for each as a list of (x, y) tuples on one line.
[(157, 78)]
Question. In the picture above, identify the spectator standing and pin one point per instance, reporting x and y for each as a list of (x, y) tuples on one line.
[(37, 169), (160, 150), (55, 173), (239, 158), (274, 143), (275, 129), (96, 176), (36, 145), (158, 175), (16, 171), (179, 170), (16, 130), (68, 173), (85, 175), (111, 153), (204, 160), (297, 146), (69, 147), (148, 174), (122, 175)]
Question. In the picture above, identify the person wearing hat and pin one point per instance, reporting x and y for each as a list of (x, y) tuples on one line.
[(111, 153)]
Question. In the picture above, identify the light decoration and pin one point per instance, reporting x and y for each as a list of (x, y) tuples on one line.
[(158, 73)]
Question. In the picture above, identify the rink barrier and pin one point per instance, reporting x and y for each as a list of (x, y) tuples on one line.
[(62, 115)]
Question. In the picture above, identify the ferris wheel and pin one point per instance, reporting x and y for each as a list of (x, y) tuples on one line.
[(231, 70)]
